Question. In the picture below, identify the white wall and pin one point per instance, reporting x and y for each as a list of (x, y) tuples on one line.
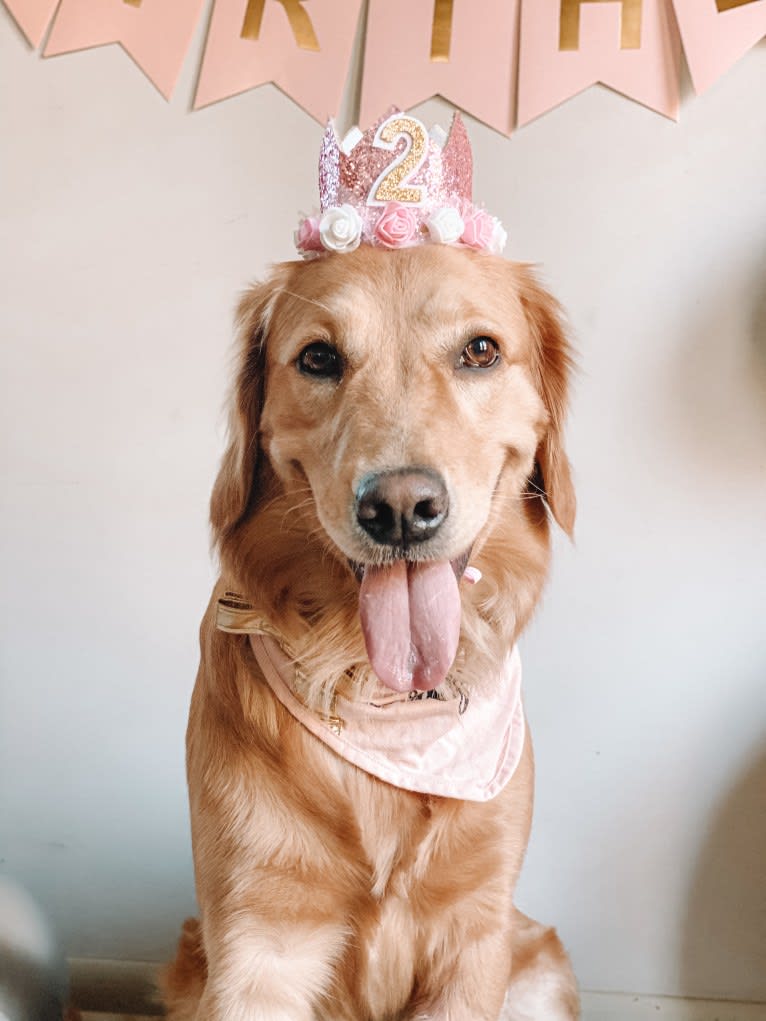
[(132, 226)]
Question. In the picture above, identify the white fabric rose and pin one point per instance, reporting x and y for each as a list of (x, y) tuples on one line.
[(499, 238), (340, 229), (445, 226)]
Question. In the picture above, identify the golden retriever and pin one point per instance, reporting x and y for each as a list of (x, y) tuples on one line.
[(394, 411)]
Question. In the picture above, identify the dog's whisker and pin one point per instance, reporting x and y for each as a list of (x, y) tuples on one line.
[(302, 297), (297, 509)]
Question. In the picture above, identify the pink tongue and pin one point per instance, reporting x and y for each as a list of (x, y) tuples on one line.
[(411, 622)]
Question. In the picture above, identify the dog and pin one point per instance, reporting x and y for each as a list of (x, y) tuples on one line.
[(397, 418)]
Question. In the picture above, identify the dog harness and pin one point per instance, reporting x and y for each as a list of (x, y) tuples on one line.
[(450, 747)]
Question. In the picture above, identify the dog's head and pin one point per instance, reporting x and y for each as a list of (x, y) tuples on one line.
[(395, 415)]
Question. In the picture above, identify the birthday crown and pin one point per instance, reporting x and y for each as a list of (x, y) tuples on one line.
[(397, 185)]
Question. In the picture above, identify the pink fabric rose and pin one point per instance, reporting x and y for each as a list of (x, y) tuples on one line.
[(397, 225), (307, 237), (479, 228)]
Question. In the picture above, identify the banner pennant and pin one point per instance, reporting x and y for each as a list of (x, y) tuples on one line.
[(32, 17), (716, 33), (156, 33), (415, 50), (632, 46), (305, 50)]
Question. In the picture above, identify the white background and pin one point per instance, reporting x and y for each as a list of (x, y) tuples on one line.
[(130, 226)]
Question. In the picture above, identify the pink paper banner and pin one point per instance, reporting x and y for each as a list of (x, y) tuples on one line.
[(632, 46), (304, 48), (716, 33), (417, 48), (156, 33), (32, 17)]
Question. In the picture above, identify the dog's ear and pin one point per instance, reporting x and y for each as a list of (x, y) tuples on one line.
[(234, 494), (552, 363)]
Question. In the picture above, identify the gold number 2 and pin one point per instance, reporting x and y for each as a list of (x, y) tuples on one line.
[(390, 185)]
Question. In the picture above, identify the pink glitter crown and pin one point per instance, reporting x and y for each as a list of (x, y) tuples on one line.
[(397, 185)]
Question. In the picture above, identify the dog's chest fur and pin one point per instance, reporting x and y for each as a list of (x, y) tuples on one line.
[(423, 859)]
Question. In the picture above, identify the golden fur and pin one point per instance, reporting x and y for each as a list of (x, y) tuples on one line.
[(324, 892)]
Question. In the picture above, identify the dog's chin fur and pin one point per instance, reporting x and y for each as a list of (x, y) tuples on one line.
[(326, 893)]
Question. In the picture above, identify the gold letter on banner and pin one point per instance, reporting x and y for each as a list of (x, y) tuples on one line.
[(441, 29), (630, 32), (300, 22), (729, 5)]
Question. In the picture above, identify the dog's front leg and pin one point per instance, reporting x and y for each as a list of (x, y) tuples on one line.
[(262, 968), (274, 889), (474, 988), (272, 932)]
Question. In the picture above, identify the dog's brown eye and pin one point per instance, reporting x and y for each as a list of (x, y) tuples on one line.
[(480, 353), (320, 359)]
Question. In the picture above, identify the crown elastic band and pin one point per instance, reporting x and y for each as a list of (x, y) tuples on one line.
[(395, 186)]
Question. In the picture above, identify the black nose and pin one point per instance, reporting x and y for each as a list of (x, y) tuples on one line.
[(402, 506)]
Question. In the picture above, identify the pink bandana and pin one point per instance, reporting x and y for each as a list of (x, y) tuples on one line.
[(454, 748)]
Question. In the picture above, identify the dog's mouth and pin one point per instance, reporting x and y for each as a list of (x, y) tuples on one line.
[(410, 613)]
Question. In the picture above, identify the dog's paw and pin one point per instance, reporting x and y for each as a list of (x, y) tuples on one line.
[(547, 992)]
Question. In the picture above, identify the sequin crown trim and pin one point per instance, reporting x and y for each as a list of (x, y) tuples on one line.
[(397, 185)]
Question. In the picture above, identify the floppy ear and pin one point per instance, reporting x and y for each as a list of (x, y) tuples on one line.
[(234, 493), (552, 363)]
